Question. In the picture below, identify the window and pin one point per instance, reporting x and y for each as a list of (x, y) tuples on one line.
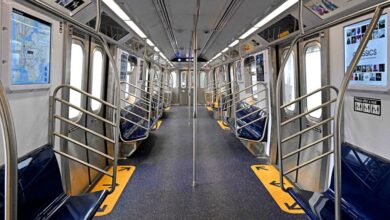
[(76, 77), (173, 80), (313, 78), (253, 78), (202, 80), (289, 81), (183, 79), (97, 79)]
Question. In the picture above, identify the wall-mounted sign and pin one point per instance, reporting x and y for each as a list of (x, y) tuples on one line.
[(371, 71), (327, 8), (68, 7), (367, 105), (260, 67)]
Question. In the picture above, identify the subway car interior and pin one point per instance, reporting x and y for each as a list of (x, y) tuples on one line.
[(194, 109)]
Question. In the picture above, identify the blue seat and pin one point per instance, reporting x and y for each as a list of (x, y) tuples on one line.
[(40, 191), (256, 131), (129, 130), (365, 189)]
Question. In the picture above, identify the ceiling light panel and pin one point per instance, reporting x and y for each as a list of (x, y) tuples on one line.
[(286, 5), (136, 29), (116, 9), (234, 43)]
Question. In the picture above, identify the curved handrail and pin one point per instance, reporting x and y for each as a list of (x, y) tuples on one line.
[(10, 160)]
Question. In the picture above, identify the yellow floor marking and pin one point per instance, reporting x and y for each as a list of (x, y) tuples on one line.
[(168, 108), (269, 176), (209, 108), (224, 127), (123, 177), (157, 125)]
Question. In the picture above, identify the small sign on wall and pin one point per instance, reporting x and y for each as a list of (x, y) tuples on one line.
[(368, 105)]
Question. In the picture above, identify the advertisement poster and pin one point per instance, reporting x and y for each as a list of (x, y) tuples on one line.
[(123, 69), (372, 67), (327, 8)]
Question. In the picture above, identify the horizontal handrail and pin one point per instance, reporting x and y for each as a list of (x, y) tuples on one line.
[(248, 87), (134, 123), (308, 162), (137, 106), (254, 121), (135, 96), (84, 93), (82, 162), (308, 129), (308, 112), (307, 146), (253, 94), (83, 145), (130, 112), (85, 111), (134, 86), (251, 104), (252, 113), (84, 128), (309, 94)]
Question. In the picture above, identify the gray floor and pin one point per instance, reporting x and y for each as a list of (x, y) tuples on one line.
[(226, 186)]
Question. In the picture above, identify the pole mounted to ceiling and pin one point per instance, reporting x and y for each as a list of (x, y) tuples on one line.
[(195, 95)]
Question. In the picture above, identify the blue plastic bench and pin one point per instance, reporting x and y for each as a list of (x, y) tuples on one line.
[(365, 189), (40, 191), (129, 131), (256, 131)]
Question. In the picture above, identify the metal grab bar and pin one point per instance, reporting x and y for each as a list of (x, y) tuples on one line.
[(308, 146), (309, 94), (249, 114), (134, 86), (308, 162), (308, 112), (248, 87), (10, 160), (307, 129), (249, 123), (136, 106), (83, 145), (252, 104), (130, 112), (135, 123), (135, 96), (85, 111)]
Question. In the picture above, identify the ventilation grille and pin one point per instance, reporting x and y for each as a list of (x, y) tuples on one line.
[(109, 27), (280, 29)]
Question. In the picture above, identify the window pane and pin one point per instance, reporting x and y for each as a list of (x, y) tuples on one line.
[(289, 81), (313, 78), (183, 80), (173, 80), (76, 77), (202, 80), (97, 76)]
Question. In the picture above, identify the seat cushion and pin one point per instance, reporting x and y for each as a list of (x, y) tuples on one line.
[(80, 207)]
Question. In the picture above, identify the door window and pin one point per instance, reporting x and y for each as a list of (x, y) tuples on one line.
[(289, 81), (76, 77), (313, 78), (97, 79), (183, 79)]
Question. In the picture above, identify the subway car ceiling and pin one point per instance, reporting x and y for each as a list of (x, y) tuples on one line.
[(194, 109)]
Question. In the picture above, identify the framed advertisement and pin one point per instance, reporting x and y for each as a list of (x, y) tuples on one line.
[(371, 73)]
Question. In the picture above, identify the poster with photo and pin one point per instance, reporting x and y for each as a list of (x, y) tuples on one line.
[(371, 71), (260, 67), (327, 8)]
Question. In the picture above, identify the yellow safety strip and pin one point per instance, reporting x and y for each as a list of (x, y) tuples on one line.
[(224, 127), (167, 108), (209, 108), (269, 176), (123, 177), (157, 125)]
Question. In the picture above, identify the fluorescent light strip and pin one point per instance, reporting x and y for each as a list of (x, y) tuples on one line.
[(234, 43), (248, 32), (136, 29), (224, 50), (149, 42), (286, 5), (116, 9)]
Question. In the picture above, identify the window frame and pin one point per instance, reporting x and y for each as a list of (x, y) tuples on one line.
[(80, 43), (97, 49), (310, 117), (294, 61)]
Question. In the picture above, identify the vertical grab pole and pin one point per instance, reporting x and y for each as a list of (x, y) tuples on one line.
[(189, 94), (339, 110), (10, 160), (195, 96)]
